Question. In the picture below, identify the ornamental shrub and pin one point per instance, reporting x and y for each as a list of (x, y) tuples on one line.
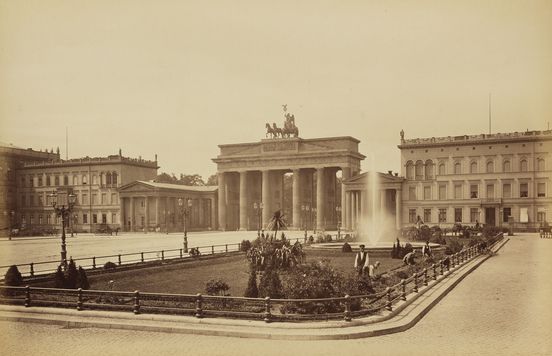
[(346, 248), (13, 277), (245, 245), (252, 291), (71, 275), (59, 278), (82, 279), (217, 287), (109, 265), (270, 284), (394, 251), (453, 247), (407, 248)]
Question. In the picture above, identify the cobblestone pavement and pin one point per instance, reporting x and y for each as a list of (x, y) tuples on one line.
[(502, 308)]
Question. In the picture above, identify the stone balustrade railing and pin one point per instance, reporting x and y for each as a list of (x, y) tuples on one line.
[(476, 138)]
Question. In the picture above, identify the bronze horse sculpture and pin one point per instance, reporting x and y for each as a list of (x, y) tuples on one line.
[(274, 131)]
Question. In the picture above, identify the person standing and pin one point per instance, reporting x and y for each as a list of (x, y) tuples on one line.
[(362, 261)]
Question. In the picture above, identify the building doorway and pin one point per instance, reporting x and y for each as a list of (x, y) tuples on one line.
[(490, 218)]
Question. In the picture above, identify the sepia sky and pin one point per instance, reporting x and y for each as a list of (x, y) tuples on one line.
[(177, 78)]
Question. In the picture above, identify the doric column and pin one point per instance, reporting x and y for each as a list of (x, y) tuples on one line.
[(320, 198), (213, 214), (296, 199), (267, 208), (146, 213), (345, 174), (222, 201), (131, 213), (122, 215), (355, 210), (156, 211), (346, 211), (243, 201), (398, 209), (383, 201)]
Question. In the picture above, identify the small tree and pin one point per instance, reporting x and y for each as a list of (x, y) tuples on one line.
[(82, 279), (346, 248), (59, 278), (245, 245), (13, 277), (71, 275), (252, 291)]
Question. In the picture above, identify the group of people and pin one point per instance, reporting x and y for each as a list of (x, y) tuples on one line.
[(363, 266)]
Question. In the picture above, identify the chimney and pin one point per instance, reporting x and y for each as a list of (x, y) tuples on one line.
[(390, 173)]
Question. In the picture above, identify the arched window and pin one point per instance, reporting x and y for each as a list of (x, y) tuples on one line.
[(473, 167), (108, 178), (419, 170), (84, 179), (94, 179), (409, 170), (523, 165), (442, 170), (506, 166), (114, 178), (457, 168), (490, 167), (75, 180), (429, 169), (540, 165)]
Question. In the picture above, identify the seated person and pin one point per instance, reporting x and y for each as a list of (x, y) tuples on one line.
[(372, 269)]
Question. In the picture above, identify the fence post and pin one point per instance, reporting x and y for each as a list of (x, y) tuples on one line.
[(425, 277), (448, 264), (441, 267), (267, 310), (79, 299), (212, 249), (452, 262), (119, 258), (136, 302), (94, 262), (239, 246), (403, 289), (199, 311), (142, 257), (162, 255), (347, 314), (180, 253), (32, 269), (226, 248), (388, 305), (434, 271), (416, 282), (27, 296)]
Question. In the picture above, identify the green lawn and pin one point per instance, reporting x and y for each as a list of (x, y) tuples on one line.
[(190, 278)]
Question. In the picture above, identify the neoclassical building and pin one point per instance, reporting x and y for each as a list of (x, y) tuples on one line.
[(497, 179), (94, 181)]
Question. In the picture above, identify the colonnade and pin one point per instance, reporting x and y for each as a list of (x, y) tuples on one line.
[(357, 204), (247, 200), (163, 212)]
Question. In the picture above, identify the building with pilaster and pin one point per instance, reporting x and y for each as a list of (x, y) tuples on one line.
[(495, 179)]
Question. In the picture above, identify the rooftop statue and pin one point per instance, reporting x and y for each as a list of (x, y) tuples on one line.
[(288, 129)]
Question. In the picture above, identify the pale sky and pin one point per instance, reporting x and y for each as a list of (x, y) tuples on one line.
[(177, 78)]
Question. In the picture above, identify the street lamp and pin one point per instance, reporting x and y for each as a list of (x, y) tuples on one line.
[(65, 214), (259, 211), (185, 210), (338, 212)]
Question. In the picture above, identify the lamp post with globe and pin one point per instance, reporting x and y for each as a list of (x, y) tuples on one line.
[(65, 213)]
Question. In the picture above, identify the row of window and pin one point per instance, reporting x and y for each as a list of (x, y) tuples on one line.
[(474, 191), (474, 217), (41, 199), (108, 179), (425, 170), (53, 219)]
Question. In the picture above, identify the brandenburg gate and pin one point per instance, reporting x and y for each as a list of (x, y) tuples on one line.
[(251, 179)]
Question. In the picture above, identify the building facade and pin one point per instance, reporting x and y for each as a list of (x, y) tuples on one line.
[(12, 158), (94, 181), (498, 179)]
